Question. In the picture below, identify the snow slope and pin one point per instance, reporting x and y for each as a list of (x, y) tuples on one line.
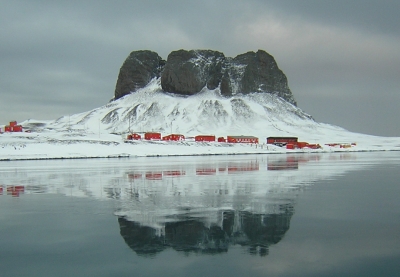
[(101, 131)]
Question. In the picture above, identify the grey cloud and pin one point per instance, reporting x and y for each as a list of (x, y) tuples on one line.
[(60, 58), (367, 15)]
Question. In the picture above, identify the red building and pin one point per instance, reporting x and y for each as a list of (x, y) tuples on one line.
[(291, 146), (152, 136), (204, 138), (134, 137), (314, 146), (16, 128), (273, 140), (13, 127), (221, 139), (241, 139), (302, 144), (174, 137)]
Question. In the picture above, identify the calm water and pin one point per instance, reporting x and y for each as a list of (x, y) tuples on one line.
[(265, 215)]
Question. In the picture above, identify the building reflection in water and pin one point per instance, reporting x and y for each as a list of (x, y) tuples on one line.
[(222, 210), (194, 205)]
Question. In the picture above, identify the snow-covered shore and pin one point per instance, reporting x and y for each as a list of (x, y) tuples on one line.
[(69, 145)]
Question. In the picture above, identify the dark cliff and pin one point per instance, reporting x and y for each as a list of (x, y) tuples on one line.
[(188, 72), (137, 71)]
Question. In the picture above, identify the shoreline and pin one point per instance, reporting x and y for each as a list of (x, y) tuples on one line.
[(58, 146), (129, 156)]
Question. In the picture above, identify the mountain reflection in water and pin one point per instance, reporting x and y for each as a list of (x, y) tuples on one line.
[(332, 214), (201, 205), (206, 207), (256, 231)]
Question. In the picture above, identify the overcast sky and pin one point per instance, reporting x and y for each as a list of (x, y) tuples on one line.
[(341, 58)]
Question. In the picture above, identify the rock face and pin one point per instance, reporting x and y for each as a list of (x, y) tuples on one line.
[(137, 71), (188, 72), (254, 72)]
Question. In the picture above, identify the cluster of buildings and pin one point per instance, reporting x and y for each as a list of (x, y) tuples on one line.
[(12, 127), (199, 138), (288, 142), (291, 143)]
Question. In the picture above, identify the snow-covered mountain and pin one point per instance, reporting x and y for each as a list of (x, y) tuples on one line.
[(150, 109), (197, 92), (102, 132)]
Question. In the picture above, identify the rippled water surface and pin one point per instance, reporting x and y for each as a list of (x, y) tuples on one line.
[(247, 215)]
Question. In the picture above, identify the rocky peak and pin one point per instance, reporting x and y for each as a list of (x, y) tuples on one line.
[(137, 71), (188, 72), (255, 72)]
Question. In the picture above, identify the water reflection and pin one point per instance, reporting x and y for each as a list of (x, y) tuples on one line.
[(189, 215), (192, 204), (192, 234), (207, 207), (13, 190), (285, 163), (71, 176)]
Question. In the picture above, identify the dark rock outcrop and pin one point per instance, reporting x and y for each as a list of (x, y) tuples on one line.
[(137, 71), (188, 72), (255, 72)]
